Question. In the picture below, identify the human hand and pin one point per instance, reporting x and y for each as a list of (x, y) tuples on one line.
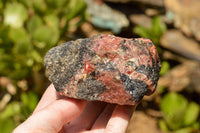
[(55, 113)]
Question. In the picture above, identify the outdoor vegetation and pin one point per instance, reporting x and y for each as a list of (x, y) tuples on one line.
[(29, 28)]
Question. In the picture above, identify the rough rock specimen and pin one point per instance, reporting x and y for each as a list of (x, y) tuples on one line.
[(104, 68)]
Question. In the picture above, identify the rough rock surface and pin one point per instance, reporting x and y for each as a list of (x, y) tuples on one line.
[(104, 68)]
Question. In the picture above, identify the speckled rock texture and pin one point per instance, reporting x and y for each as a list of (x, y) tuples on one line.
[(104, 68)]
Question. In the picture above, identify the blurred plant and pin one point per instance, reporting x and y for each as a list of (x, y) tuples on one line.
[(165, 68), (179, 115), (16, 112), (158, 27), (28, 29)]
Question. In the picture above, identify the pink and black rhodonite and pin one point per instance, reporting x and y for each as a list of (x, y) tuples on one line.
[(104, 68)]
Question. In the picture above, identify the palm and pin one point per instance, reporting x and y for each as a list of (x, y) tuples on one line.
[(55, 113), (100, 117)]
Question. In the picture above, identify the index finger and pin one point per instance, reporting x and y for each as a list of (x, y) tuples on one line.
[(49, 96), (120, 119), (53, 117)]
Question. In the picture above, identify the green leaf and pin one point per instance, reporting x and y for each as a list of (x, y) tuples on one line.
[(196, 125), (159, 26), (29, 100), (163, 125), (18, 35), (6, 61), (185, 130), (33, 100), (173, 107), (25, 99), (19, 71), (55, 38), (42, 36), (7, 125), (40, 6), (29, 62), (165, 67), (52, 21), (33, 24), (154, 32), (21, 40), (156, 26), (4, 37), (56, 3), (15, 15), (191, 114), (27, 3), (11, 109), (21, 48), (36, 56), (75, 7), (1, 6), (142, 31)]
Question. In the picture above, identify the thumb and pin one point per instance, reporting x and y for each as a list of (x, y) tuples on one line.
[(52, 118)]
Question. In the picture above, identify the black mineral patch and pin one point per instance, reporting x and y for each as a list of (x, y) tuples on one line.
[(90, 89), (146, 70), (136, 88), (63, 62), (155, 73)]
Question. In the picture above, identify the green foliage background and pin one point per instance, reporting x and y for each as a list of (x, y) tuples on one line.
[(28, 29), (179, 115)]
